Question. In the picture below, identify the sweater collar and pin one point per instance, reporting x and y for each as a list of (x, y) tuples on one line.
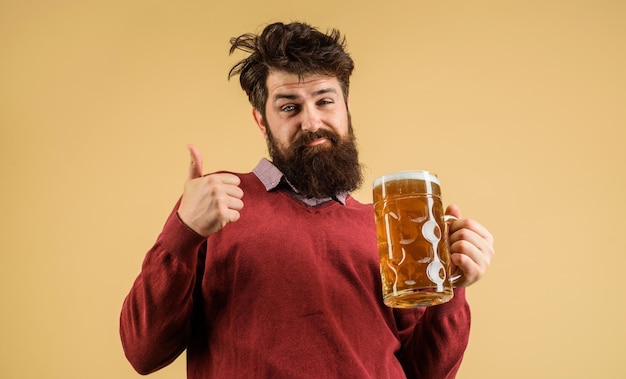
[(272, 177)]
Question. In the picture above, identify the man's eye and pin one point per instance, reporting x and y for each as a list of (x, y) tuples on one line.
[(288, 108), (325, 102)]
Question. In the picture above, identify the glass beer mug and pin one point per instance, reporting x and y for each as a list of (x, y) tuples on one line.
[(412, 234)]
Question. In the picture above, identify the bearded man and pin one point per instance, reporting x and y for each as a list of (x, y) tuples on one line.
[(274, 273)]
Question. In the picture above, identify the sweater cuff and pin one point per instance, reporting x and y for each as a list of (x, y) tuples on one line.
[(458, 302), (179, 240)]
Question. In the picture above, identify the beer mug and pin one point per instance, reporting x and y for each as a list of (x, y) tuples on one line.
[(412, 234)]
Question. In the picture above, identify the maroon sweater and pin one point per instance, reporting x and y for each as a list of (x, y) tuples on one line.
[(288, 291)]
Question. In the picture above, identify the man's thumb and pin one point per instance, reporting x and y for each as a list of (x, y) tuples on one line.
[(453, 210), (195, 165)]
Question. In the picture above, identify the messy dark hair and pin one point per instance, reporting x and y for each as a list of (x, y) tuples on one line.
[(295, 48)]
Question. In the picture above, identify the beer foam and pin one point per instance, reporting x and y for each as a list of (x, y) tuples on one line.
[(403, 175)]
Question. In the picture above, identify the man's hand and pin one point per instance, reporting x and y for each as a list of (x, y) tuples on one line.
[(209, 202), (471, 248)]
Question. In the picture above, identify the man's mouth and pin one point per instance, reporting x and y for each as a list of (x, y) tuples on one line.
[(318, 141)]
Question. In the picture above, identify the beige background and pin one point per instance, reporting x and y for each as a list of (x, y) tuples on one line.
[(518, 105)]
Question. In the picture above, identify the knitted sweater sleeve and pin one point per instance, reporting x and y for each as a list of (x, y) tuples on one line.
[(434, 338), (156, 314)]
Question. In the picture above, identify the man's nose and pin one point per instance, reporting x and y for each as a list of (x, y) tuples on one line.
[(311, 119)]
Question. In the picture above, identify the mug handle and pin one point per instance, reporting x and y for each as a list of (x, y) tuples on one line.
[(458, 273)]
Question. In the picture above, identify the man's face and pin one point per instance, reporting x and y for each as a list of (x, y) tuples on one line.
[(309, 134), (296, 106)]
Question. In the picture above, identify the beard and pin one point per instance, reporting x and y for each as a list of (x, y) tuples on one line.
[(319, 171)]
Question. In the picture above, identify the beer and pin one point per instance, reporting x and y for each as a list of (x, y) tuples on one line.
[(412, 239)]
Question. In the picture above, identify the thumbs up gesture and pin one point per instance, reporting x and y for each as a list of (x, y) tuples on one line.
[(209, 202)]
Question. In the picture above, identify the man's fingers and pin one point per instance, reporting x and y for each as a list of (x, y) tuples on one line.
[(227, 178), (195, 165), (224, 184), (473, 226)]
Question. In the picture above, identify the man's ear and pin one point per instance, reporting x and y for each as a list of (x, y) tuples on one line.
[(258, 117)]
